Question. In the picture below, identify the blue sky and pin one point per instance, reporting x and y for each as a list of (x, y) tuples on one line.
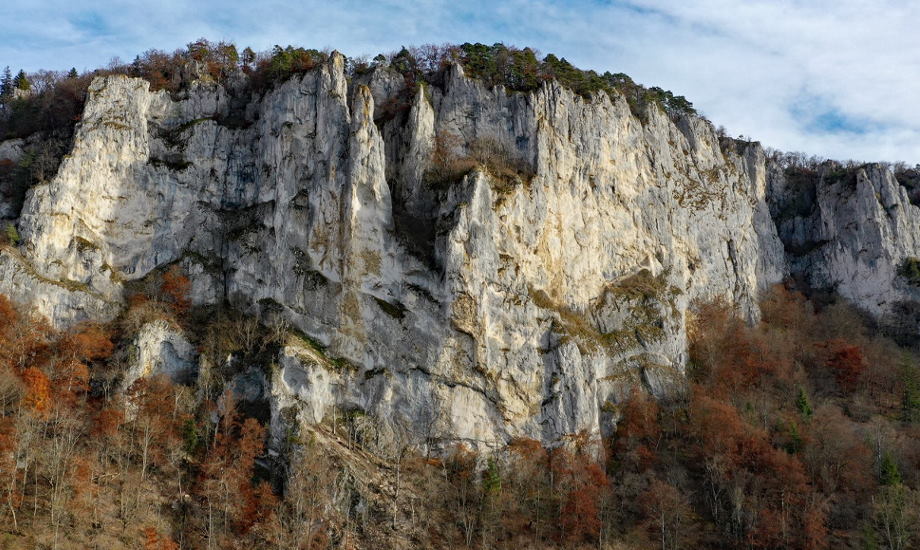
[(837, 78)]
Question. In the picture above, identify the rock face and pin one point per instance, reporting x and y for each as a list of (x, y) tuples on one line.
[(11, 150), (160, 349), (850, 232), (478, 266)]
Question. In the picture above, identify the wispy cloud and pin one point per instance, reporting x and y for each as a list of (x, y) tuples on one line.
[(837, 78)]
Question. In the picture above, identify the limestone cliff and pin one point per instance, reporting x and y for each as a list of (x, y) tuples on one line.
[(850, 232), (524, 296)]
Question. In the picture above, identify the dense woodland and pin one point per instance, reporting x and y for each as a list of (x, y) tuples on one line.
[(798, 432)]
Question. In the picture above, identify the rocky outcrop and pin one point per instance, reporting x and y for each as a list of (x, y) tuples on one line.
[(159, 349), (59, 299), (849, 231), (11, 150), (472, 265)]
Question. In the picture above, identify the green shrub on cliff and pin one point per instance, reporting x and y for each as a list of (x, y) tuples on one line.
[(285, 62), (910, 270), (10, 234)]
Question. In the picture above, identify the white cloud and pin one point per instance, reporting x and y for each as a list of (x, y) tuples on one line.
[(779, 71), (853, 58)]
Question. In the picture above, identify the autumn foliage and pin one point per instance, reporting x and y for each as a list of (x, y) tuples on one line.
[(176, 287), (38, 389), (846, 362), (797, 432), (72, 459), (154, 541)]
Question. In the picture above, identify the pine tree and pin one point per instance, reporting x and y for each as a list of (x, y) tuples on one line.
[(795, 439), (803, 404), (73, 73), (21, 82), (6, 83), (890, 474), (491, 478), (136, 66)]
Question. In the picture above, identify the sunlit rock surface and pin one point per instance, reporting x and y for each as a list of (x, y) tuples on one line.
[(522, 296)]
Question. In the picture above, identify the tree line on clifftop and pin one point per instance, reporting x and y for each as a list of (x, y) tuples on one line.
[(48, 100)]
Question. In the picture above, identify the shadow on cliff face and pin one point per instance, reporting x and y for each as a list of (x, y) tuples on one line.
[(418, 231), (800, 196), (910, 180), (795, 209), (902, 323), (421, 216)]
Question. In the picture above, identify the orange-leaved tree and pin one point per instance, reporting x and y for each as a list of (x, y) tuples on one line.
[(38, 389), (846, 362), (176, 286)]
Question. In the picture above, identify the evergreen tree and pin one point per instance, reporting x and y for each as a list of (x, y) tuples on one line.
[(6, 83), (404, 62), (137, 66), (795, 443), (491, 478), (803, 404), (21, 82), (73, 73), (889, 473)]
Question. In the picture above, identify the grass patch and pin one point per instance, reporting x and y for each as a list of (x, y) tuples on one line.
[(67, 284), (644, 295), (84, 245), (337, 364)]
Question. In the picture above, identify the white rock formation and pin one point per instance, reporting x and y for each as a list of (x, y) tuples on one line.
[(476, 308), (11, 150), (160, 349)]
